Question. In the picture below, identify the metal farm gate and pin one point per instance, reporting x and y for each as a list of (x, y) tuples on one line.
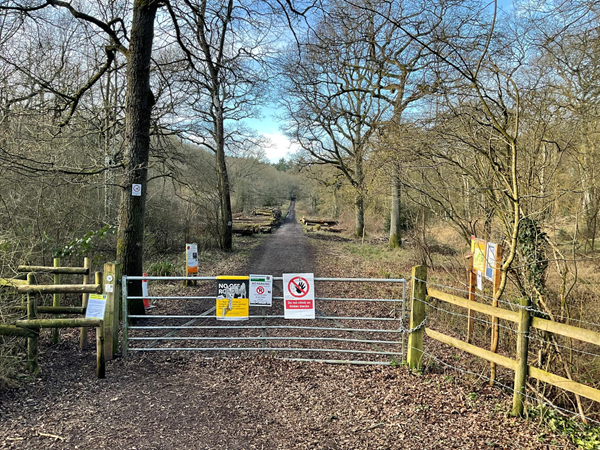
[(360, 318)]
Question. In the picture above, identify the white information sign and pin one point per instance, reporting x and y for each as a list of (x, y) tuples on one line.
[(299, 295), (261, 290), (490, 260), (191, 252), (109, 288), (96, 306), (136, 190), (480, 280)]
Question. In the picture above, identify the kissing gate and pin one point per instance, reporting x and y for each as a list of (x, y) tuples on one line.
[(360, 318)]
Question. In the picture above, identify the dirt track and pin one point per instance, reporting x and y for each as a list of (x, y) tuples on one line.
[(185, 401), (287, 250)]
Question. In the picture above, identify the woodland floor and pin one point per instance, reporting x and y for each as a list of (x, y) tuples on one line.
[(168, 400)]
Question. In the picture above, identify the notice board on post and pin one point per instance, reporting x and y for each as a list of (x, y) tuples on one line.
[(299, 295)]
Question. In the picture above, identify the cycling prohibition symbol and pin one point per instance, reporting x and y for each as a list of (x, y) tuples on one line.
[(260, 290), (298, 287)]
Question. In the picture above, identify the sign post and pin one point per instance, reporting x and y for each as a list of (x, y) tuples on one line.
[(299, 295), (191, 261)]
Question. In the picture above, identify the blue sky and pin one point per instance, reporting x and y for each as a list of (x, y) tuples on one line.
[(268, 125)]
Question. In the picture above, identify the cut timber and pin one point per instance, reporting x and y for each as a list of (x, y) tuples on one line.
[(326, 222), (244, 230), (332, 229), (60, 289), (56, 270)]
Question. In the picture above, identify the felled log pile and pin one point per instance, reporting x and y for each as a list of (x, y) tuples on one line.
[(323, 222), (329, 225), (261, 220)]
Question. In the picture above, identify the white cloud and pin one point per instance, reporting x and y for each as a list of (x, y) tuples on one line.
[(280, 146)]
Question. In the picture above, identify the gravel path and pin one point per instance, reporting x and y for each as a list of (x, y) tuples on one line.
[(287, 250)]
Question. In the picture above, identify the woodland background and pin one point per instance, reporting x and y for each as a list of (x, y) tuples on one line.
[(419, 124)]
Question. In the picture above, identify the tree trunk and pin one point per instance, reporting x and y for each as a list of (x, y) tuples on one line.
[(395, 221), (139, 103), (225, 215), (359, 213)]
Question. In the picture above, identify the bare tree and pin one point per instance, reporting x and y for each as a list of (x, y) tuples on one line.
[(330, 99), (225, 45)]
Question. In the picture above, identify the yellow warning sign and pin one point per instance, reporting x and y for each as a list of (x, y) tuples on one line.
[(237, 309), (232, 298)]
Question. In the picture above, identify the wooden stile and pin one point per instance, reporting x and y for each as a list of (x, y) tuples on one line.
[(56, 270), (61, 288)]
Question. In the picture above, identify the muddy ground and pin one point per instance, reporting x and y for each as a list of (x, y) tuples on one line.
[(169, 400)]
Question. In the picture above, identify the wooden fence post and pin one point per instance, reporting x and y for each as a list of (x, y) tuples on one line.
[(471, 313), (100, 356), (521, 368), (418, 296), (32, 342), (495, 321), (112, 289), (101, 336), (83, 334), (56, 302)]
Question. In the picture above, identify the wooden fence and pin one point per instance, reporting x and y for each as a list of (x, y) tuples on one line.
[(107, 283), (420, 292)]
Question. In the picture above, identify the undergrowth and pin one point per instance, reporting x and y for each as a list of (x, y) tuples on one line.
[(585, 437)]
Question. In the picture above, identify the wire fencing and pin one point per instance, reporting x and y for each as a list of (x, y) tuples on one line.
[(554, 374)]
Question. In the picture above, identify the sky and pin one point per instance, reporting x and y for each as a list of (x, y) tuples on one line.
[(268, 126)]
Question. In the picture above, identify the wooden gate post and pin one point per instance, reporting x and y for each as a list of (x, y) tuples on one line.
[(112, 290), (56, 302), (521, 368), (418, 296), (32, 342)]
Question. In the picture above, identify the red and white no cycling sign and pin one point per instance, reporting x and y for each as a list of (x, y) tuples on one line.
[(299, 295)]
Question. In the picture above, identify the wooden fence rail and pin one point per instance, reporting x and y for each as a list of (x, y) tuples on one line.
[(522, 317)]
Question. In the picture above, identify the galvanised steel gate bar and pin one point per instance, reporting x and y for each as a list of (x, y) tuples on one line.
[(317, 331)]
